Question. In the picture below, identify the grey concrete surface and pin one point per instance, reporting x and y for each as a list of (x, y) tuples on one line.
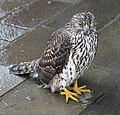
[(8, 81), (104, 11), (36, 13), (9, 6), (102, 77), (108, 105), (27, 47), (9, 33), (42, 102), (68, 1)]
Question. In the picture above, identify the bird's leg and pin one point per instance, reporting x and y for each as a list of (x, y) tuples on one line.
[(69, 94), (77, 89)]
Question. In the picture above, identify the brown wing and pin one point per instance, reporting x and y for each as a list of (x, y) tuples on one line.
[(55, 56)]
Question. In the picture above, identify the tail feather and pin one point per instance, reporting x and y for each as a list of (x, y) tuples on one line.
[(23, 68)]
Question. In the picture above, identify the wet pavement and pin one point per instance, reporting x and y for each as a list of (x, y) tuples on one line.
[(25, 27), (27, 47), (8, 81), (9, 33), (36, 14)]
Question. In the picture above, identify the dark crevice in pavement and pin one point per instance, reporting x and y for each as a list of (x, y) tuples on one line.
[(100, 97), (92, 103), (12, 88)]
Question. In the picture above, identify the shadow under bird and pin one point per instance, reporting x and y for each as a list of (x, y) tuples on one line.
[(70, 51)]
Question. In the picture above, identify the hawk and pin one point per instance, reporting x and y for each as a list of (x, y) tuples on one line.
[(70, 51)]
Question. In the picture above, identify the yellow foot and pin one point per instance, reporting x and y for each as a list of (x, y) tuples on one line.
[(77, 89), (69, 95)]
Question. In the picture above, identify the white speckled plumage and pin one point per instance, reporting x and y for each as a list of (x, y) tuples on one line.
[(70, 50)]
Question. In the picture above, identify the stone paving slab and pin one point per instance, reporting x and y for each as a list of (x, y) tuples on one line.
[(7, 6), (28, 99), (24, 49), (9, 33), (27, 47), (108, 105), (36, 13), (104, 11), (68, 1), (102, 78), (2, 13), (8, 81)]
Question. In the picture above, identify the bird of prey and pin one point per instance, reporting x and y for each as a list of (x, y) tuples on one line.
[(70, 51)]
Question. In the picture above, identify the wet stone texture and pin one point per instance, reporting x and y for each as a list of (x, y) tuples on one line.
[(9, 33), (2, 13), (104, 11), (108, 105), (26, 48), (8, 6), (36, 13), (28, 99), (68, 1), (7, 81)]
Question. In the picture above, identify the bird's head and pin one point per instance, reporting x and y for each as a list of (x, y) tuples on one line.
[(83, 22)]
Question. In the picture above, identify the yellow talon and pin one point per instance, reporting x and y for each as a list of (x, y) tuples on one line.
[(77, 89), (69, 95)]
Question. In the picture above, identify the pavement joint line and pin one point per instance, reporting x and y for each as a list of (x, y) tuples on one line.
[(92, 103), (98, 99), (57, 14), (25, 34), (110, 22), (14, 10), (101, 96), (52, 17), (13, 87), (13, 25), (43, 22), (7, 46)]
